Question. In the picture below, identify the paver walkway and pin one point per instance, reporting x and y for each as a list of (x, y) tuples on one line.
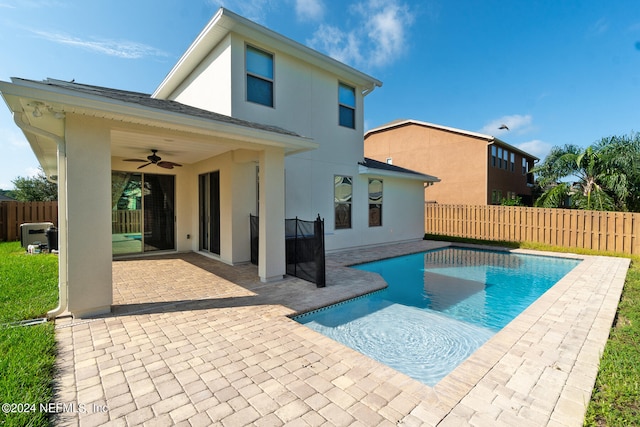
[(194, 342)]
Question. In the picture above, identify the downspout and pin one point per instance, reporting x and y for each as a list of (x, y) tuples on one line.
[(63, 300)]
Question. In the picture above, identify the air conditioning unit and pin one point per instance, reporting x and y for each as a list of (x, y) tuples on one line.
[(34, 233)]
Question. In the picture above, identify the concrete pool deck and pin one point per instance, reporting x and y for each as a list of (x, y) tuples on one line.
[(194, 342)]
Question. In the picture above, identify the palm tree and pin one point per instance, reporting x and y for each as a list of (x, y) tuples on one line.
[(605, 175), (587, 166), (622, 178)]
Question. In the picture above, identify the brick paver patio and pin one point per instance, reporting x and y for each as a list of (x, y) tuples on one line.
[(194, 342)]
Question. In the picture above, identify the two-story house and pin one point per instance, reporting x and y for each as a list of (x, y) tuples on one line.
[(474, 168), (247, 122)]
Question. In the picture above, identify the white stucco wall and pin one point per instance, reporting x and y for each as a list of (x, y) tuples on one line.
[(209, 85), (87, 220), (402, 201)]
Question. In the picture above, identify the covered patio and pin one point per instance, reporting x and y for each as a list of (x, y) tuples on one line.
[(85, 138), (192, 341)]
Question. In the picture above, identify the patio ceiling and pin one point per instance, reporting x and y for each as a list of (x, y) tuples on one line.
[(176, 147)]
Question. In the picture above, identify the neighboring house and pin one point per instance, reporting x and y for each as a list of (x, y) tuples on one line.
[(4, 198), (473, 168), (247, 122)]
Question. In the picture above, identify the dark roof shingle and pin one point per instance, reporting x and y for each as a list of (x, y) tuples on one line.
[(167, 105), (375, 164)]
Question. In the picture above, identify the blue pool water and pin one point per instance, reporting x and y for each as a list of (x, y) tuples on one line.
[(439, 308)]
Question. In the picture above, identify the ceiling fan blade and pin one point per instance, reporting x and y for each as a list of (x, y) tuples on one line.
[(167, 165), (135, 160), (140, 167)]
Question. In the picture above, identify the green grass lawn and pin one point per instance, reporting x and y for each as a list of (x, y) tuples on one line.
[(616, 396), (28, 289)]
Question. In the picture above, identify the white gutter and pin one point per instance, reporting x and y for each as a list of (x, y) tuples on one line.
[(63, 285)]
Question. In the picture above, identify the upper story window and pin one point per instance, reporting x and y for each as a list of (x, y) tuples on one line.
[(499, 158), (513, 162), (525, 166), (347, 105), (505, 157), (259, 76), (493, 156)]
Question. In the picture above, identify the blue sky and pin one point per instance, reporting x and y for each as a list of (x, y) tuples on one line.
[(556, 72)]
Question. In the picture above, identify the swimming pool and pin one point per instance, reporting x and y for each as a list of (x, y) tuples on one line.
[(439, 308)]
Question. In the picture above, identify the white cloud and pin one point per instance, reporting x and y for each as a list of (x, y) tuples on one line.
[(599, 27), (310, 10), (387, 31), (342, 46), (118, 48), (516, 123), (538, 148), (378, 28)]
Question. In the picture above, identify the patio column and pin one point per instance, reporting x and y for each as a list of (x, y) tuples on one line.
[(271, 250), (85, 223)]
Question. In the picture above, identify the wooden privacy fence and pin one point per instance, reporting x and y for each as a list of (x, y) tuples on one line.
[(570, 228), (12, 214), (126, 221)]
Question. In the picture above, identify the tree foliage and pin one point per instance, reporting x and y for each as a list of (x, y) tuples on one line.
[(602, 176), (34, 189)]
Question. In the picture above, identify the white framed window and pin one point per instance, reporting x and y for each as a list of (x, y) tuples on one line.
[(259, 67), (347, 106), (342, 198), (493, 155), (505, 157), (499, 157), (513, 162)]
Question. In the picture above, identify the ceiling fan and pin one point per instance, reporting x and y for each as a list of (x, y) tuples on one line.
[(154, 159)]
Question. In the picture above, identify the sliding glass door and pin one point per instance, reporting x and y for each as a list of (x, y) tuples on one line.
[(209, 191), (143, 212)]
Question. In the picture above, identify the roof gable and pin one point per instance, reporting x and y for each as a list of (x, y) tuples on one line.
[(406, 122), (225, 22), (409, 122)]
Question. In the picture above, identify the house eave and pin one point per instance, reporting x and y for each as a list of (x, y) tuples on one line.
[(365, 170), (64, 101)]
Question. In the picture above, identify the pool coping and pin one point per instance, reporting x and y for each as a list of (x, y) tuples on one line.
[(540, 369)]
